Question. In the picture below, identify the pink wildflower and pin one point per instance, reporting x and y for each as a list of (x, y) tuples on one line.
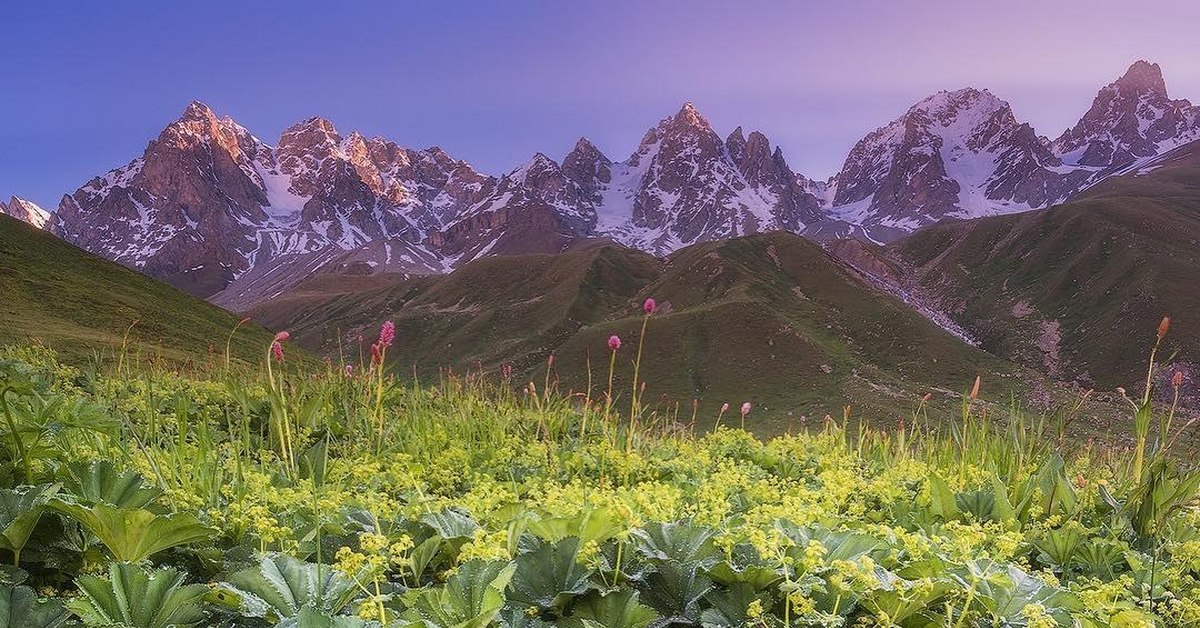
[(277, 351), (349, 370), (745, 408), (725, 407), (282, 336), (614, 342), (649, 306), (387, 334)]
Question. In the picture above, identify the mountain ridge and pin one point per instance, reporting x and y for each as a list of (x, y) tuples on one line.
[(212, 209)]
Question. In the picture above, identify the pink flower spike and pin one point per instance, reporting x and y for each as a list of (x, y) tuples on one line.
[(649, 306), (745, 408), (282, 336), (725, 407), (349, 370), (277, 351), (614, 342), (387, 334)]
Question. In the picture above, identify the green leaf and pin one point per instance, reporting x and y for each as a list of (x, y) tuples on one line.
[(471, 598), (131, 597), (451, 525), (1003, 591), (279, 587), (593, 524), (549, 575), (20, 510), (729, 607), (620, 609), (1003, 509), (312, 618), (941, 499), (900, 605), (102, 482), (134, 534), (20, 608)]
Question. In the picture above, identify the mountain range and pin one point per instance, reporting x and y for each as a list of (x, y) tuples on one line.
[(211, 208)]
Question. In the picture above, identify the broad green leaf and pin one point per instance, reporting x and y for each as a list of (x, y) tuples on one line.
[(131, 597), (21, 608), (20, 510), (471, 598), (102, 482), (549, 575), (941, 499), (280, 586), (134, 534), (620, 609)]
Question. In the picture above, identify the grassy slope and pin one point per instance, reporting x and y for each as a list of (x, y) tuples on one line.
[(772, 319), (1104, 267), (56, 294)]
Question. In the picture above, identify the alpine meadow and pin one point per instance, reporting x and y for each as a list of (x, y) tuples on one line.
[(609, 315)]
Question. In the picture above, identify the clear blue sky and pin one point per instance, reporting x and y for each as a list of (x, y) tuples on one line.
[(87, 84)]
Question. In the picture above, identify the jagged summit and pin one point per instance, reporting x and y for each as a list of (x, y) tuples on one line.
[(954, 154), (25, 211), (1142, 77), (690, 116), (216, 210), (197, 110), (1131, 118)]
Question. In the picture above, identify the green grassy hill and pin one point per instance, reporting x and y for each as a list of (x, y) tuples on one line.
[(772, 319), (1078, 289), (55, 294)]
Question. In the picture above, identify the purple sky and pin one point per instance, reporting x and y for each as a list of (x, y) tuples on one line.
[(87, 84)]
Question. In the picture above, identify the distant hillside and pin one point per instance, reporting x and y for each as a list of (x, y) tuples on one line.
[(1077, 290), (77, 303), (772, 319)]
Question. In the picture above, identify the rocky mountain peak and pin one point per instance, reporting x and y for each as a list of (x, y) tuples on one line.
[(689, 116), (309, 134), (589, 168), (1130, 118), (1142, 77), (537, 167), (25, 211), (198, 110), (968, 103), (735, 143), (585, 151)]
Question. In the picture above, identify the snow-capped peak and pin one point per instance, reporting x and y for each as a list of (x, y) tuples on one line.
[(1130, 119), (26, 211)]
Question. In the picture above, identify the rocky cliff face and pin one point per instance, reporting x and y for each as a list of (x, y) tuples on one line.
[(960, 154), (25, 211), (208, 203), (1131, 118)]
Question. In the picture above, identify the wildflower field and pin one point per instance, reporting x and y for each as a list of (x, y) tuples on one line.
[(342, 495)]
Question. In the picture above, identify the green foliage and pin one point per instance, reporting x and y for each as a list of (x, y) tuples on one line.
[(102, 482), (280, 588), (21, 608), (132, 597), (476, 507), (20, 510), (472, 597), (134, 534)]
